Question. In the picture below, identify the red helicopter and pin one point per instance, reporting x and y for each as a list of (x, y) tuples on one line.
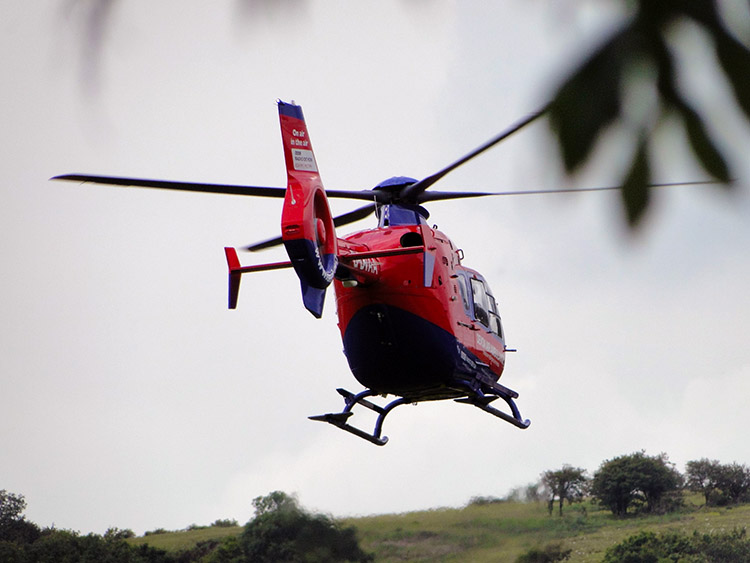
[(415, 322)]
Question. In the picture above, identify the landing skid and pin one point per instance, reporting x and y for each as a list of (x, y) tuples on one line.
[(340, 419), (476, 398)]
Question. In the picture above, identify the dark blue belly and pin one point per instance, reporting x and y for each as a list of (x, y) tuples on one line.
[(393, 351)]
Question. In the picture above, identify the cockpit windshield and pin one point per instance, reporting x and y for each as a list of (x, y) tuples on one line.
[(395, 215)]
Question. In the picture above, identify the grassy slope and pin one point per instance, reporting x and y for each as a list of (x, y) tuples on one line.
[(178, 541), (497, 532)]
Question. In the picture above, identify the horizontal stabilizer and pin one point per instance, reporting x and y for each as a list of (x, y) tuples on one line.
[(236, 270)]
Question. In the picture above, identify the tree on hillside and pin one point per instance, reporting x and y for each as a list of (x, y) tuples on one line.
[(568, 483), (635, 479), (720, 484), (282, 531), (13, 525), (734, 482), (11, 507), (702, 475)]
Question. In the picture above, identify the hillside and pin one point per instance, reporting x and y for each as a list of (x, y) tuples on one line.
[(497, 532)]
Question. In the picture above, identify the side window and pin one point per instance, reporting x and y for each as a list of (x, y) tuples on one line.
[(495, 325), (485, 307), (481, 305), (464, 292)]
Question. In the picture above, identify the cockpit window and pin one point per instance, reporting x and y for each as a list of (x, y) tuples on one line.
[(485, 307), (393, 215), (464, 292), (496, 325), (481, 304)]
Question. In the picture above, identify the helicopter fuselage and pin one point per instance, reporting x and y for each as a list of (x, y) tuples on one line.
[(421, 325)]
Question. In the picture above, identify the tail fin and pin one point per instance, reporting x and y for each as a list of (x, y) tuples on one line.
[(306, 223), (235, 275)]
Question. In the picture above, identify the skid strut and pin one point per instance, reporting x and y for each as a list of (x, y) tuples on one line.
[(483, 402), (482, 396), (475, 397), (340, 419)]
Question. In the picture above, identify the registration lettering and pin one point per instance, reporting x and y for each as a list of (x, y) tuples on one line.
[(303, 160), (366, 265), (488, 347)]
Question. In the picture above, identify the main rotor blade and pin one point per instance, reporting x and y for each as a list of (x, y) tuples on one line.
[(356, 215), (170, 185), (412, 193), (339, 221), (366, 195), (437, 196), (231, 189), (269, 243)]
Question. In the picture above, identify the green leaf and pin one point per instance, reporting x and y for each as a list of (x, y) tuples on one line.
[(735, 60), (589, 101), (704, 148), (635, 192)]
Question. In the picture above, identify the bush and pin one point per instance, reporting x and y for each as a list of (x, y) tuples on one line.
[(64, 546), (282, 531), (116, 534), (228, 551), (483, 501), (549, 554), (635, 480), (647, 547), (11, 552)]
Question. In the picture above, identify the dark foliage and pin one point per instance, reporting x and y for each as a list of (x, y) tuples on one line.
[(549, 554), (720, 484), (592, 97), (13, 526), (282, 531), (63, 546), (647, 547), (228, 551), (22, 541), (11, 507), (20, 531), (636, 480), (484, 500)]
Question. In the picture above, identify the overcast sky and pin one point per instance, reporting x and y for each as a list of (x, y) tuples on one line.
[(131, 397)]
